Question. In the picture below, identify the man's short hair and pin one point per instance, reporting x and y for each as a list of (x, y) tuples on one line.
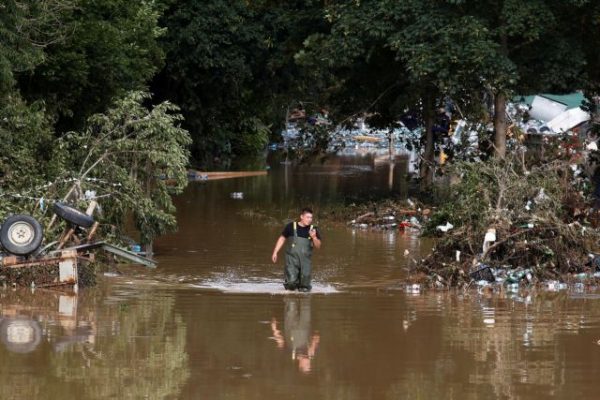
[(307, 210)]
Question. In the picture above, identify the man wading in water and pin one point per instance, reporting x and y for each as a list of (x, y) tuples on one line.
[(301, 237)]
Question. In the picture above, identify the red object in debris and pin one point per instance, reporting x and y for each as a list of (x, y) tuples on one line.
[(403, 225)]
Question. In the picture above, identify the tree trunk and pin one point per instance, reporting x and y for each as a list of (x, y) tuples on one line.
[(596, 115), (148, 246), (428, 160), (149, 249), (500, 125)]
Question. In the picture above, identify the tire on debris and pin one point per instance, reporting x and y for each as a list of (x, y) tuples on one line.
[(21, 234), (73, 215)]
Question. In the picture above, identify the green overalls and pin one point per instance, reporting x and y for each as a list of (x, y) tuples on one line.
[(298, 262)]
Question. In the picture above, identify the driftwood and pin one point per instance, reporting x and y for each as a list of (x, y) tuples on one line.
[(215, 175)]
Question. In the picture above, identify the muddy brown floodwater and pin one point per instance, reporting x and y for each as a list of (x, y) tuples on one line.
[(213, 323)]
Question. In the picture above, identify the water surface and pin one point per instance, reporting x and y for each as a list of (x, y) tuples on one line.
[(212, 322)]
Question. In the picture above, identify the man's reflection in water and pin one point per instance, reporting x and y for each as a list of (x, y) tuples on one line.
[(297, 332)]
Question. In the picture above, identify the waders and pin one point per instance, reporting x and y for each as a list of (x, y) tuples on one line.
[(298, 262)]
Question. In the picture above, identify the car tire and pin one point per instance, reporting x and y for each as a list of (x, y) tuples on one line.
[(21, 234), (73, 215)]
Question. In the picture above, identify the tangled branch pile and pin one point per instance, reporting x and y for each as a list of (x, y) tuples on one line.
[(535, 218)]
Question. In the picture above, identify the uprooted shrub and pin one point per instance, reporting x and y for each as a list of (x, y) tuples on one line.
[(540, 215)]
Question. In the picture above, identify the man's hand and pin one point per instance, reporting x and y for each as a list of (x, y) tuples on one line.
[(278, 246), (315, 239)]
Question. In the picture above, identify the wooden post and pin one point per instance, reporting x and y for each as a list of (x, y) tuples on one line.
[(93, 231), (500, 125), (69, 232), (91, 207)]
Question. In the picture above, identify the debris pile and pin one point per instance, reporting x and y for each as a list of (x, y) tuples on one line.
[(548, 114), (504, 221), (26, 260), (386, 215)]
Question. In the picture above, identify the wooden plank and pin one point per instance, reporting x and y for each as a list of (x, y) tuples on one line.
[(93, 231), (363, 138), (20, 262), (66, 237), (37, 263), (216, 175), (11, 260)]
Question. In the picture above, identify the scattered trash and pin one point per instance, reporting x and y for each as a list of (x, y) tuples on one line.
[(391, 216), (595, 261), (89, 195), (483, 273), (529, 225), (555, 286), (414, 222), (549, 114), (512, 287), (404, 224), (541, 196), (568, 120), (516, 276), (237, 195), (415, 288), (581, 276), (490, 237), (550, 237), (445, 228)]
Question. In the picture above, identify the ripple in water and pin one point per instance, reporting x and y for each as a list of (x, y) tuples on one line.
[(229, 285)]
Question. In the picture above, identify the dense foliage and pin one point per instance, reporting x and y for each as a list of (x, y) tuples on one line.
[(236, 69), (73, 118), (230, 65)]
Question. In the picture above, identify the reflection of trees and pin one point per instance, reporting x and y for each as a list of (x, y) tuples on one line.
[(140, 355), (501, 348), (372, 346), (115, 350)]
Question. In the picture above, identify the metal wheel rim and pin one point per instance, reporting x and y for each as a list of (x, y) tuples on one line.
[(21, 233)]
